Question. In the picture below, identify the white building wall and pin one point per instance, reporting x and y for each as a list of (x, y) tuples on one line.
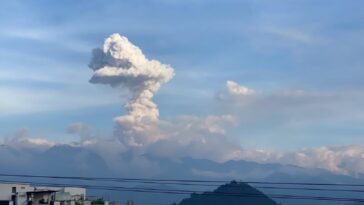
[(75, 191), (6, 190), (21, 198)]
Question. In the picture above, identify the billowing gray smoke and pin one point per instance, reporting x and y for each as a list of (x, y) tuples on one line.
[(121, 64)]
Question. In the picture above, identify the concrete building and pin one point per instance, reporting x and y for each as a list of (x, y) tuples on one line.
[(14, 194), (25, 194)]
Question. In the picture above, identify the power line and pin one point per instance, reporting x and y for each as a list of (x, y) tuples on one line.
[(309, 189), (168, 182), (184, 192), (258, 187), (175, 181), (111, 178)]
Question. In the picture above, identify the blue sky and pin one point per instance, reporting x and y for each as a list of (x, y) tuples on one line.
[(273, 47)]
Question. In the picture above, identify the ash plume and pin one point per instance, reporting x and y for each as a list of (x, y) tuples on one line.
[(121, 64)]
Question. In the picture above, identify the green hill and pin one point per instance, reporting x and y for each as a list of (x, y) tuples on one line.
[(234, 193)]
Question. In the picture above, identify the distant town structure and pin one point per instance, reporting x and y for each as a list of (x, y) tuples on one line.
[(25, 194), (130, 202)]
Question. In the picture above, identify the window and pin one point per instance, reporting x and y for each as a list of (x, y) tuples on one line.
[(13, 190)]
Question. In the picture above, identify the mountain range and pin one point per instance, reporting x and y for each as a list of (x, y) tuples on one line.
[(66, 160)]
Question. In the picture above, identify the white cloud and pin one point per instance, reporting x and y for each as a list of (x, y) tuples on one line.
[(235, 93), (234, 88), (77, 127), (348, 160), (185, 136), (200, 138), (295, 106), (81, 129), (22, 140)]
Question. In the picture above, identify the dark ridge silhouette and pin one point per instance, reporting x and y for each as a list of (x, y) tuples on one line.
[(234, 193)]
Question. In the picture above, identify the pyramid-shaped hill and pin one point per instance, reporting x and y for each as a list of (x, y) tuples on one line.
[(234, 193)]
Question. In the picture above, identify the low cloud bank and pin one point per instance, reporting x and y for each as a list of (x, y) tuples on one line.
[(200, 139)]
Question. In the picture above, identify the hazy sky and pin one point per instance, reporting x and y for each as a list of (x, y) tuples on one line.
[(303, 59)]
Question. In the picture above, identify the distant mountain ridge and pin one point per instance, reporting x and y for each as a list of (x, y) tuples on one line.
[(65, 160)]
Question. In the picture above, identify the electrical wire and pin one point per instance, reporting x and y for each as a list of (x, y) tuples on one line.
[(176, 181), (184, 192)]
